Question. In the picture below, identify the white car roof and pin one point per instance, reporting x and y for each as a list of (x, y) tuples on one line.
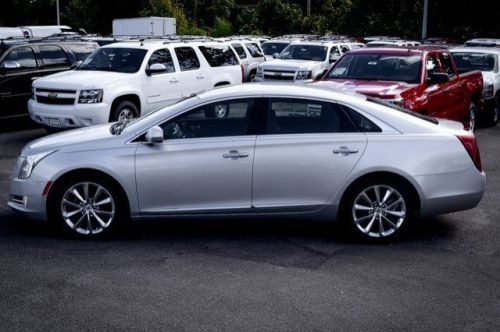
[(151, 44), (488, 50)]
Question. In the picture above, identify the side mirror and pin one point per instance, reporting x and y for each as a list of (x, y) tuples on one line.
[(436, 78), (10, 65), (156, 68), (154, 135), (276, 55)]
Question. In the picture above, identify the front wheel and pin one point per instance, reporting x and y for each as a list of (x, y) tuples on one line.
[(124, 110), (491, 115), (472, 116), (378, 210), (86, 207)]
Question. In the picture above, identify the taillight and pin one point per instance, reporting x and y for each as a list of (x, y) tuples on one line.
[(242, 73), (470, 144)]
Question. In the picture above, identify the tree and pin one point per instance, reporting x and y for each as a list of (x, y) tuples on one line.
[(167, 8)]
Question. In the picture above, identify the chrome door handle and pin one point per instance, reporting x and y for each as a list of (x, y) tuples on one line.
[(235, 154), (344, 150), (200, 77), (174, 80)]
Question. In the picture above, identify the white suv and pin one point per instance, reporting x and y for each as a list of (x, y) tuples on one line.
[(304, 61), (129, 79), (250, 55)]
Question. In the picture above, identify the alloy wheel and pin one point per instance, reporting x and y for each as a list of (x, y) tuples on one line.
[(472, 119), (88, 208), (125, 114), (379, 211)]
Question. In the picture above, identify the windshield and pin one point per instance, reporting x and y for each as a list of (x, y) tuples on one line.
[(304, 52), (468, 61), (380, 67), (122, 60), (272, 48), (400, 109)]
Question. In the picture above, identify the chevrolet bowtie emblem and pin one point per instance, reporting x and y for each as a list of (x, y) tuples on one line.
[(52, 95)]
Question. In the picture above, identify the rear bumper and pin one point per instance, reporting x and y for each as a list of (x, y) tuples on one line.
[(451, 192), (69, 116)]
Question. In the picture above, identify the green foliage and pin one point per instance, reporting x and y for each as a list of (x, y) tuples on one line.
[(167, 8), (222, 27)]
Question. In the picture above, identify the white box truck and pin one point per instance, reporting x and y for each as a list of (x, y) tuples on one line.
[(144, 26)]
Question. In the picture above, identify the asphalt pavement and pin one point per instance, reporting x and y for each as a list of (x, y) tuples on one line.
[(253, 274)]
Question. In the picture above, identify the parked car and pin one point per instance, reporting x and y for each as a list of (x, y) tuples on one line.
[(250, 55), (272, 48), (392, 43), (422, 80), (130, 79), (304, 61), (361, 161), (483, 42), (487, 61), (22, 61)]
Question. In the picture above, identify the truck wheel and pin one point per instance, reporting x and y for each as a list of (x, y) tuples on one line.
[(491, 115), (472, 117), (124, 110)]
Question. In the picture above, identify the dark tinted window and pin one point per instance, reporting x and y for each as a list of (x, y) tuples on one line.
[(22, 58), (187, 58), (82, 51), (270, 48), (162, 57), (469, 61), (304, 52), (447, 63), (361, 122), (344, 48), (306, 117), (432, 65), (220, 119), (53, 56), (254, 50), (119, 59), (240, 50), (382, 67), (218, 56)]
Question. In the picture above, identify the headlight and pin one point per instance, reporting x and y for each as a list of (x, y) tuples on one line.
[(90, 96), (28, 163), (304, 75), (488, 91), (260, 72)]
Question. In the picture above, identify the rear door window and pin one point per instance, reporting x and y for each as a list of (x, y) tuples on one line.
[(447, 63), (188, 60), (19, 59), (53, 56), (254, 50), (301, 116), (219, 56), (240, 50), (344, 49)]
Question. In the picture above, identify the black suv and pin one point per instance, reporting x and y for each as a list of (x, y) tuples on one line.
[(22, 61)]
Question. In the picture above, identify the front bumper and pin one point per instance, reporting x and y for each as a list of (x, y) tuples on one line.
[(69, 116), (261, 79), (26, 197)]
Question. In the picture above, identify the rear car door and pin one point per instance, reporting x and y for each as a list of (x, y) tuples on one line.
[(309, 149), (54, 59), (192, 77), (161, 89), (17, 69), (205, 162), (455, 90)]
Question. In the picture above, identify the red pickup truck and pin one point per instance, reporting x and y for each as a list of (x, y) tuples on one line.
[(423, 80)]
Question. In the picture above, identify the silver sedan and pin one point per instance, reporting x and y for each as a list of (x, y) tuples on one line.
[(254, 150)]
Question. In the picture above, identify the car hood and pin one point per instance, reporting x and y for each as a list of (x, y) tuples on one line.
[(93, 138), (78, 79), (378, 89), (294, 65)]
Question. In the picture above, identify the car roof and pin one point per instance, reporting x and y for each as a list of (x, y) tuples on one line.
[(490, 50), (320, 42), (153, 44), (393, 50)]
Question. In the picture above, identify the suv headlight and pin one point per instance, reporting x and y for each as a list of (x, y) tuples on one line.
[(90, 96), (260, 72), (28, 163), (304, 75), (488, 90)]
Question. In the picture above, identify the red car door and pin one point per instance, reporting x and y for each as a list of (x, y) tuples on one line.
[(437, 99), (455, 90)]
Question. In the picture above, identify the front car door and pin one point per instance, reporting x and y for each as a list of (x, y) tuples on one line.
[(455, 90), (192, 78), (204, 164), (310, 148), (161, 88), (17, 69), (437, 100)]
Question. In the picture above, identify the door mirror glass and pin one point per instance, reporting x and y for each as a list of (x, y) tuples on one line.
[(156, 68), (436, 78), (154, 135), (276, 55)]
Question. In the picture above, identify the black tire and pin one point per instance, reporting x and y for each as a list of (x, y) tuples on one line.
[(472, 118), (490, 117), (365, 225), (52, 130), (80, 220), (251, 77), (123, 106)]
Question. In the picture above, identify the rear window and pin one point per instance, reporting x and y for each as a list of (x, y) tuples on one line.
[(187, 58), (254, 50), (53, 56), (219, 56), (82, 51), (469, 61), (240, 50), (397, 108)]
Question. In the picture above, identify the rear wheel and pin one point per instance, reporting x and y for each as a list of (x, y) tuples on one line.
[(472, 116), (86, 207), (378, 209), (491, 115), (124, 110)]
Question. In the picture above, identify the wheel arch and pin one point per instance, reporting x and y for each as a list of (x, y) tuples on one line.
[(222, 83), (133, 98)]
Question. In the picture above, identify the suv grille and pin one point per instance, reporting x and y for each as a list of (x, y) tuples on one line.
[(55, 96), (279, 75)]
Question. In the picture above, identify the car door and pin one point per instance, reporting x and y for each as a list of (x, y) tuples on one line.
[(204, 163), (17, 69), (455, 90), (54, 59), (437, 100), (162, 88), (245, 59), (309, 149), (192, 77)]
